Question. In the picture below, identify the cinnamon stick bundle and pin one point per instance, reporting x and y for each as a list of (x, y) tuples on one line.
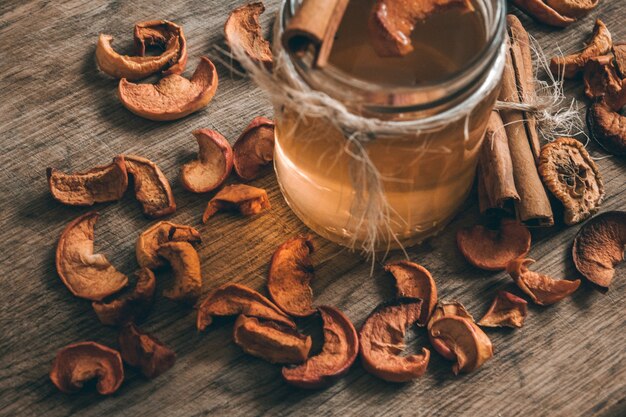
[(533, 208), (314, 24)]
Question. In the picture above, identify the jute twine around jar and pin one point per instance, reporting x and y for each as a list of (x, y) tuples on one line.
[(371, 213)]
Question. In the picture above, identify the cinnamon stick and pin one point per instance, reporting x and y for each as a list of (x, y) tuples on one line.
[(496, 184), (534, 208), (314, 25)]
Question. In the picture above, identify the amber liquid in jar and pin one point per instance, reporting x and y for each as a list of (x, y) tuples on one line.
[(426, 176)]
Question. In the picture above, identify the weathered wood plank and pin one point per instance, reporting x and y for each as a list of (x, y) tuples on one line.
[(57, 110)]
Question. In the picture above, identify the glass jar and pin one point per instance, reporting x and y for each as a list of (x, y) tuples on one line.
[(426, 174)]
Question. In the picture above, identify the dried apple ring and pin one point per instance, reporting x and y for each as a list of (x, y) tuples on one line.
[(159, 33), (506, 310), (244, 30), (341, 346), (214, 163), (492, 250), (145, 351), (291, 271), (152, 189), (542, 289), (159, 233), (254, 149), (243, 198), (414, 281), (185, 263), (608, 127)]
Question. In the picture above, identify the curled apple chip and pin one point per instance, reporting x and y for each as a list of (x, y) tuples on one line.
[(98, 185), (601, 78), (243, 198), (214, 163), (145, 351), (492, 250), (235, 299), (173, 97), (152, 189), (469, 344), (619, 52), (382, 341), (254, 149), (78, 363), (291, 271), (270, 340), (573, 8), (160, 33), (185, 263), (85, 273), (572, 177), (159, 233), (608, 127), (506, 310), (130, 306), (244, 30), (541, 11), (341, 346), (391, 22), (599, 247), (446, 309), (572, 65), (542, 289), (415, 281)]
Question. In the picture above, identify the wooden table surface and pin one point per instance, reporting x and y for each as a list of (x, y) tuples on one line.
[(57, 110)]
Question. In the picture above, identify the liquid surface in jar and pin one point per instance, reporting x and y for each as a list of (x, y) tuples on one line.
[(443, 45)]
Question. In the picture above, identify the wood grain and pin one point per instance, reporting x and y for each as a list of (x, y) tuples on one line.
[(57, 110)]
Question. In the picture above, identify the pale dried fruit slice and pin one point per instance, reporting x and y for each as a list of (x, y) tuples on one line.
[(382, 342), (506, 310), (446, 309), (131, 306), (185, 263), (469, 344), (152, 189), (573, 8), (254, 149), (271, 341), (341, 346), (85, 273), (145, 351), (572, 65), (291, 271), (133, 67), (492, 250), (391, 22), (608, 127), (572, 177), (542, 289), (78, 363), (159, 33), (98, 185), (235, 299), (243, 198), (599, 247), (243, 31), (414, 281), (173, 97), (159, 233), (214, 163)]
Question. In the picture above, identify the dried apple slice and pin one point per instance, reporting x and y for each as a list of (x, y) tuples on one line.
[(98, 185), (493, 249), (254, 149), (131, 306), (244, 30), (506, 310), (145, 351), (413, 280), (392, 22), (152, 189), (78, 363), (470, 345), (185, 263), (159, 33), (608, 127), (235, 299), (173, 97), (291, 271), (271, 341), (159, 233), (573, 8), (382, 341), (341, 346), (619, 52), (601, 78), (599, 247), (543, 13), (85, 273), (243, 198), (542, 289), (214, 163), (446, 309), (572, 65)]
